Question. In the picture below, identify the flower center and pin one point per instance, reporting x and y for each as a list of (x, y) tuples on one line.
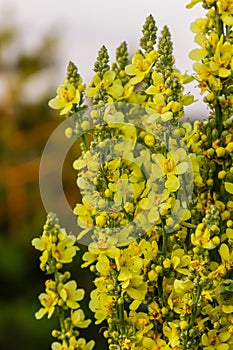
[(143, 65), (56, 254), (168, 165), (68, 93), (214, 340)]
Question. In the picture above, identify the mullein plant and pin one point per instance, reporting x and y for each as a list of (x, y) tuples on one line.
[(156, 210)]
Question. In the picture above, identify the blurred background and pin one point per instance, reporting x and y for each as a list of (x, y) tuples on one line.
[(37, 40)]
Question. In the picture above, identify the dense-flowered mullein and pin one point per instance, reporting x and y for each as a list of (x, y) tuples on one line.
[(214, 69), (214, 60), (212, 142), (166, 89), (163, 265), (61, 297), (133, 200)]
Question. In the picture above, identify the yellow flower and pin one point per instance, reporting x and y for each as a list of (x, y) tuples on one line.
[(49, 301), (102, 255), (112, 86), (180, 292), (226, 256), (199, 26), (158, 85), (130, 265), (101, 219), (134, 286), (101, 304), (225, 8), (159, 105), (70, 294), (222, 59), (170, 330), (65, 250), (215, 340), (45, 242), (142, 322), (154, 205), (95, 251), (180, 261), (83, 211), (59, 346), (79, 344), (67, 96), (171, 166), (178, 214), (78, 319), (224, 293), (141, 66), (149, 251), (60, 246)]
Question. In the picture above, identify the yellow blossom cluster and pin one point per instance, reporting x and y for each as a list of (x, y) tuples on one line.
[(61, 294), (214, 64), (157, 206)]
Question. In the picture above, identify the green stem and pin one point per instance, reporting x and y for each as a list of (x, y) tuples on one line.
[(61, 311), (219, 24), (165, 240), (187, 199), (218, 110), (121, 315), (195, 306), (76, 109), (219, 118), (84, 141)]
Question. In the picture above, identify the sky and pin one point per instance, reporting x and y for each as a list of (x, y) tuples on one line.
[(84, 26)]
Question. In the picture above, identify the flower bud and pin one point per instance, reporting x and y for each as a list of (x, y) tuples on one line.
[(183, 325), (167, 263), (152, 275), (229, 147), (221, 174), (230, 205), (220, 151), (68, 132), (85, 125), (225, 215), (149, 140)]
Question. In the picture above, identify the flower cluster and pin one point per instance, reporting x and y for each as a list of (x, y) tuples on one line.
[(157, 207), (214, 64), (61, 294)]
